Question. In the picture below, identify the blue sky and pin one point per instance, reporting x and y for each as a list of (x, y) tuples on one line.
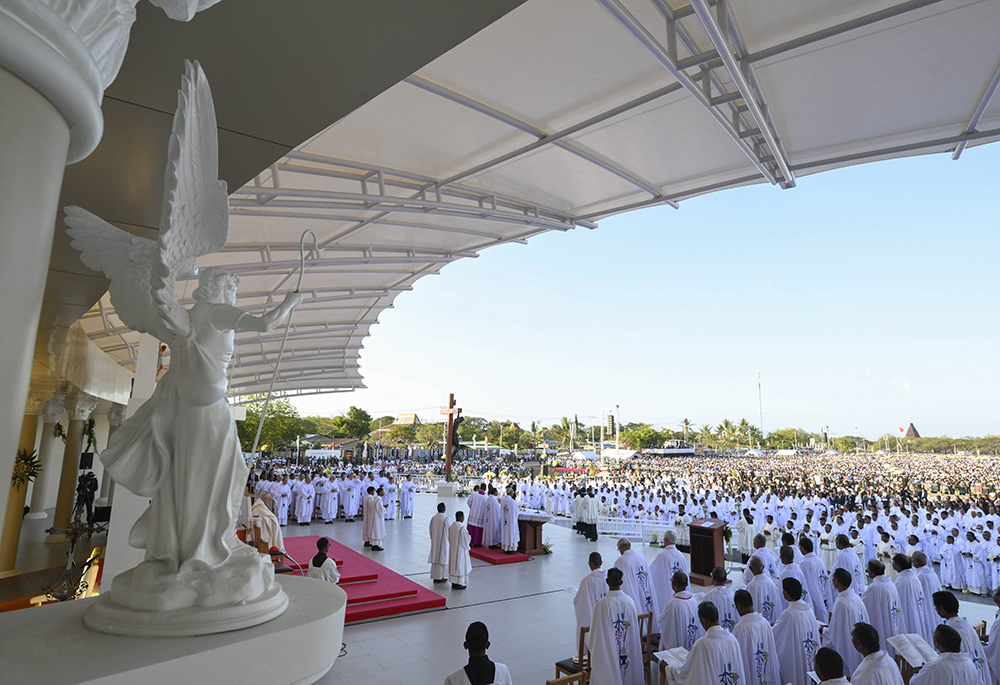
[(865, 296)]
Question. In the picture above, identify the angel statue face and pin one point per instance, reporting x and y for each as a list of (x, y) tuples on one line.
[(215, 284)]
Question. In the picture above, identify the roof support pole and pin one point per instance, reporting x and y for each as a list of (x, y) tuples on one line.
[(984, 102)]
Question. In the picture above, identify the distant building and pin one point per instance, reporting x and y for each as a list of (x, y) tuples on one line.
[(911, 432)]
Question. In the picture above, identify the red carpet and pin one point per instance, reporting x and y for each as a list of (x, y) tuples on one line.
[(496, 556), (373, 591)]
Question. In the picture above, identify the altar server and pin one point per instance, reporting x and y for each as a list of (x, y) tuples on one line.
[(637, 583), (796, 633), (479, 669), (459, 562), (848, 610), (876, 667), (952, 667), (756, 640), (679, 624), (614, 640), (715, 658), (438, 556), (322, 567), (882, 601)]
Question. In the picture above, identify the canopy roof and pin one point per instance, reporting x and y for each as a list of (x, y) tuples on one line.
[(564, 112)]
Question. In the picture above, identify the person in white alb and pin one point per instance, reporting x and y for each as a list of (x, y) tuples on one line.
[(912, 601), (377, 512), (480, 670), (876, 667), (722, 597), (438, 556), (590, 591), (830, 667), (946, 605), (796, 633), (321, 566), (407, 492), (764, 591), (756, 639), (848, 610), (614, 640), (679, 624), (666, 564), (637, 584), (882, 601), (817, 580), (509, 533), (952, 666), (715, 658), (459, 563)]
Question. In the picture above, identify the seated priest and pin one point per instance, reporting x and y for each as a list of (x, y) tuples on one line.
[(266, 522)]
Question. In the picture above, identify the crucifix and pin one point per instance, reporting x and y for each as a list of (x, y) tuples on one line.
[(452, 413)]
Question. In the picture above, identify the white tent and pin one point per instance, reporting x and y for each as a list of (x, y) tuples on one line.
[(588, 455), (612, 453), (754, 453)]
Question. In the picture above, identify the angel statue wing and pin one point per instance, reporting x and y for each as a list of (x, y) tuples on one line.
[(194, 222)]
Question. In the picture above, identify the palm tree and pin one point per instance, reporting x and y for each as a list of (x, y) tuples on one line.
[(563, 432), (726, 430), (705, 435), (744, 430), (686, 425)]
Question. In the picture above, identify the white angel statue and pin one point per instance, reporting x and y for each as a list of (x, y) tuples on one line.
[(181, 447)]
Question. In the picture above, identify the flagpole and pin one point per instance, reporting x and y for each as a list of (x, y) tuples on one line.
[(760, 405)]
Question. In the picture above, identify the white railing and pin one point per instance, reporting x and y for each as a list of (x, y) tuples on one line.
[(623, 528)]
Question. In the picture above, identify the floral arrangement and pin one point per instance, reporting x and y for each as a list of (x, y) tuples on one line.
[(26, 468)]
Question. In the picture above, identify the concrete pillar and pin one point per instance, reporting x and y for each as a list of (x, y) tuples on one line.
[(51, 92), (51, 413), (116, 415), (11, 535), (80, 407)]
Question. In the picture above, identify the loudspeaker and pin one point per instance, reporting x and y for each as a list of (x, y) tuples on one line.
[(102, 514), (86, 461)]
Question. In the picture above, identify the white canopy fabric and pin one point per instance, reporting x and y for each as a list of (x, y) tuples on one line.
[(565, 112), (589, 455)]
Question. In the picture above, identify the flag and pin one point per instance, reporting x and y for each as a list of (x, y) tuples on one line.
[(901, 430)]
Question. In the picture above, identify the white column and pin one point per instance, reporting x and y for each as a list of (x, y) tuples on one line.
[(115, 417), (80, 407), (128, 507), (51, 413), (50, 90)]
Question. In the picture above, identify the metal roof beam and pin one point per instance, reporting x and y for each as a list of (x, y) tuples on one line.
[(984, 102)]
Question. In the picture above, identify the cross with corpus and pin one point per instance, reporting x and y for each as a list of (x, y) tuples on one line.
[(451, 411)]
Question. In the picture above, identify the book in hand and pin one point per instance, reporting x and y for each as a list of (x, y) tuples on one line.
[(913, 648), (672, 657)]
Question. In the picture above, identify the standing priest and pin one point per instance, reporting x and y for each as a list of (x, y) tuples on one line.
[(637, 583), (715, 659), (796, 633), (615, 643), (438, 556)]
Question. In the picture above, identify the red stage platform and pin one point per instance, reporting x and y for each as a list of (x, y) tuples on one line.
[(496, 556), (373, 591)]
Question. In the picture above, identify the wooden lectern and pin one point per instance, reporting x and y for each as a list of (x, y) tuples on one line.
[(707, 549)]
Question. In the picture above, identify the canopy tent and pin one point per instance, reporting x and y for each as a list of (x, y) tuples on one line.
[(564, 112), (753, 453), (588, 455)]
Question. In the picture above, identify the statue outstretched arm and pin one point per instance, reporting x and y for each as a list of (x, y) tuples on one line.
[(227, 317)]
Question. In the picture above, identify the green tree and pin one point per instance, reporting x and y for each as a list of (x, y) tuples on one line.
[(686, 427), (281, 425), (473, 427), (356, 423), (562, 432), (380, 422), (641, 436), (706, 436), (430, 434), (320, 425), (400, 434)]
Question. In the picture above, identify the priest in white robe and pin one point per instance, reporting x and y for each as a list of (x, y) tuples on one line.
[(817, 581), (265, 521), (764, 591), (876, 667), (377, 529), (305, 501), (993, 646), (796, 634), (848, 610), (767, 557), (459, 561), (714, 659), (509, 534), (722, 597), (438, 556), (367, 518), (679, 624), (636, 581), (407, 493), (282, 493), (493, 527), (952, 667), (666, 564), (321, 566), (829, 667), (614, 640), (946, 605), (756, 639), (790, 569), (931, 584), (848, 558), (912, 601), (590, 591), (329, 501), (882, 601), (477, 515)]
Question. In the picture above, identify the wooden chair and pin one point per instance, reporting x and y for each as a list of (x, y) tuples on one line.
[(580, 666), (568, 679), (646, 638), (980, 629)]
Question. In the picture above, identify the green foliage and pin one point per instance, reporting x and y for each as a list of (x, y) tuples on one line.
[(26, 468), (473, 427), (319, 425), (507, 434), (380, 422), (400, 434), (356, 423), (431, 434), (640, 436), (90, 433), (281, 426)]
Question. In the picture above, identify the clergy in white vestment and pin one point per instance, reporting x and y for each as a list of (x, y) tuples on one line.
[(790, 569), (817, 581), (321, 566), (590, 591), (829, 667), (756, 639), (480, 670), (796, 634), (745, 530), (912, 600), (389, 498), (931, 584), (377, 529), (714, 659), (681, 523), (304, 502), (764, 591), (636, 581), (493, 527), (267, 523), (509, 534), (882, 601), (459, 561), (666, 564), (329, 501), (847, 558), (438, 556), (407, 493), (848, 610), (477, 514), (767, 557), (614, 640), (282, 493), (367, 518), (876, 667), (993, 646), (952, 667), (722, 597), (679, 624), (946, 605)]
